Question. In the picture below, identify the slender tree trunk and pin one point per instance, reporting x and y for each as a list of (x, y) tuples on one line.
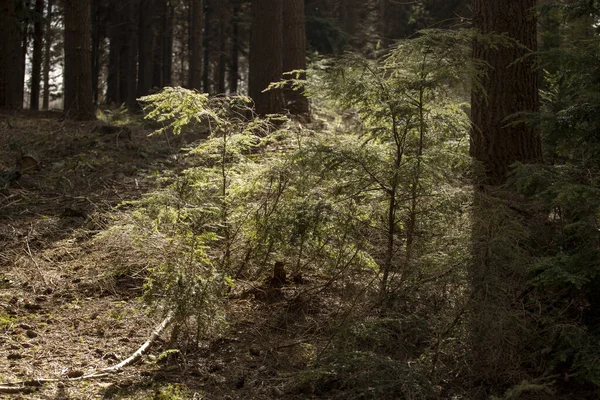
[(47, 55), (234, 68), (266, 61), (196, 44), (383, 23), (10, 57), (147, 42), (78, 65), (114, 55), (157, 59), (167, 71), (294, 52), (96, 24), (36, 62), (208, 45), (349, 20), (224, 36), (26, 12), (132, 53)]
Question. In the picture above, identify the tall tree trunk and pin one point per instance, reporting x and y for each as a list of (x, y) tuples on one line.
[(132, 53), (126, 35), (383, 23), (294, 52), (157, 59), (147, 42), (98, 34), (266, 61), (196, 44), (78, 64), (11, 88), (349, 20), (167, 71), (114, 54), (26, 15), (510, 85), (224, 34), (208, 45), (36, 62), (234, 68), (47, 55)]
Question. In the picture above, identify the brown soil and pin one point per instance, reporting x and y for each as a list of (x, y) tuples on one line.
[(70, 284)]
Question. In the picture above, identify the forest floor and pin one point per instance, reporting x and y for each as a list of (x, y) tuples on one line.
[(71, 284)]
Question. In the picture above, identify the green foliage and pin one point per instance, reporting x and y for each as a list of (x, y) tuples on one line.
[(563, 199), (116, 116), (412, 135), (6, 320), (376, 194)]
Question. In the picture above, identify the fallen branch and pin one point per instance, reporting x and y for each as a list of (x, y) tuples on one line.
[(26, 386)]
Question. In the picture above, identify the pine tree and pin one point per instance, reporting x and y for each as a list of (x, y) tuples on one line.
[(266, 49), (294, 51), (196, 43), (498, 276), (510, 85), (11, 83), (78, 66), (36, 62), (47, 55)]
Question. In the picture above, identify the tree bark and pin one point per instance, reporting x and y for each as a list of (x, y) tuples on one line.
[(114, 37), (167, 70), (196, 44), (157, 59), (266, 61), (132, 53), (25, 13), (78, 65), (294, 52), (224, 35), (10, 57), (147, 42), (47, 56), (510, 86), (234, 68), (36, 62), (208, 45)]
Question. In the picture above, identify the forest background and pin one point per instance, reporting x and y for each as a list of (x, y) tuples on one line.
[(337, 199)]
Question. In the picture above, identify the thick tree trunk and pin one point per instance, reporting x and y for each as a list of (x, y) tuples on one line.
[(47, 55), (510, 87), (78, 65), (196, 44), (266, 61), (36, 62), (294, 52), (11, 88)]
